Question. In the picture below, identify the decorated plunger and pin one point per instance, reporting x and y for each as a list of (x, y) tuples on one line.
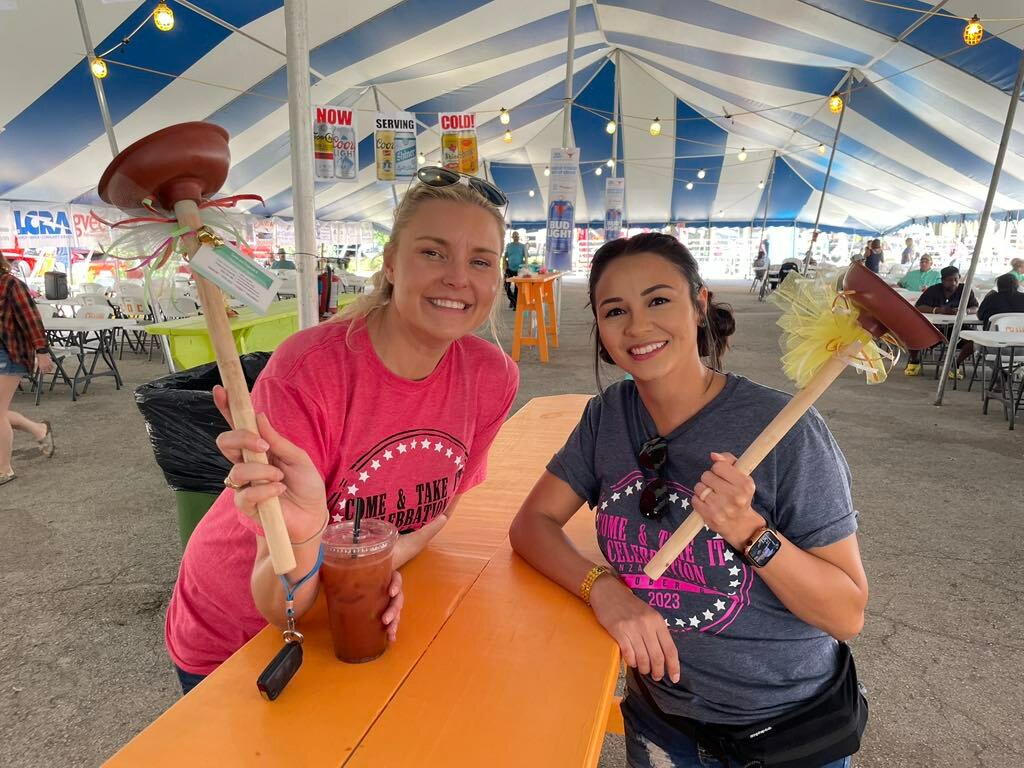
[(825, 330), (178, 169)]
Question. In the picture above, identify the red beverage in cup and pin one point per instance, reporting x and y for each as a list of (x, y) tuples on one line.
[(356, 574)]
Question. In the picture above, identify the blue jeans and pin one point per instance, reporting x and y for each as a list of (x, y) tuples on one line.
[(8, 367), (652, 743), (188, 680)]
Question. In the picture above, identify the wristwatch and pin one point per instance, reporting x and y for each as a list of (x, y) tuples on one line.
[(762, 547)]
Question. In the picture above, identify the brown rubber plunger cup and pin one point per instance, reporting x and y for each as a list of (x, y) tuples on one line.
[(881, 312), (177, 168)]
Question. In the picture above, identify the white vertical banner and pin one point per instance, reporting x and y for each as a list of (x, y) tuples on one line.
[(284, 233), (335, 149), (614, 202), (562, 188), (394, 142)]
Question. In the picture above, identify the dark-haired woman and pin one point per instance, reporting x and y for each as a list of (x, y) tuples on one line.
[(743, 629)]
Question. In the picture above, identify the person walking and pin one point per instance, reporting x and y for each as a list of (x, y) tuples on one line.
[(515, 257), (22, 350)]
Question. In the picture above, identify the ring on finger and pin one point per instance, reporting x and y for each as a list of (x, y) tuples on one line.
[(229, 483)]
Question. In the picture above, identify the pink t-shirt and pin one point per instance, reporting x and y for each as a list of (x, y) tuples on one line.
[(401, 449)]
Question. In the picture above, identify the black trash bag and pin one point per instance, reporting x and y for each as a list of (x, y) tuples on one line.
[(183, 424)]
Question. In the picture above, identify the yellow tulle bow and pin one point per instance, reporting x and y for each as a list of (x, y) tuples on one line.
[(818, 322)]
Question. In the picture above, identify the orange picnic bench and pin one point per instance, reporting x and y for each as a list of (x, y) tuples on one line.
[(494, 664)]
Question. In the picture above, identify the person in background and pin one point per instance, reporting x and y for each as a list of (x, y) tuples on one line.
[(908, 253), (23, 350), (1005, 298), (1017, 269), (282, 261), (944, 299), (873, 257), (515, 257), (919, 279)]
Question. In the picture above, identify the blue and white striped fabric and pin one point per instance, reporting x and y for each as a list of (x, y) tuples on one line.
[(919, 134)]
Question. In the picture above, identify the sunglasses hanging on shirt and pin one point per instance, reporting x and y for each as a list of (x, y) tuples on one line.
[(654, 497)]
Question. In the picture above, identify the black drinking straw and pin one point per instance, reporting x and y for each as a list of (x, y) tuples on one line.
[(357, 526)]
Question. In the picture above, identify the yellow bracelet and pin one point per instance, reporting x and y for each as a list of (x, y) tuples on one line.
[(588, 583)]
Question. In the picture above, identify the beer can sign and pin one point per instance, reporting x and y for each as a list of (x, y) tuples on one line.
[(395, 145), (384, 146), (335, 149), (561, 219), (459, 150)]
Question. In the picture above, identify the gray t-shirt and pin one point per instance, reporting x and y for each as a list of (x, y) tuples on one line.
[(744, 656)]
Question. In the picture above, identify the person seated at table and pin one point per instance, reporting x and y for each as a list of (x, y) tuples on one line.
[(282, 261), (921, 278), (1017, 268), (388, 411), (721, 639), (908, 253), (944, 299), (1005, 298)]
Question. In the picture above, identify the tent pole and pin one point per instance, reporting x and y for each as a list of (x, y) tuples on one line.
[(570, 55), (296, 26), (997, 170), (615, 117), (376, 101), (101, 96), (828, 171), (767, 202)]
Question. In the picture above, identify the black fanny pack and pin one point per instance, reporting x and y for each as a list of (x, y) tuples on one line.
[(823, 730)]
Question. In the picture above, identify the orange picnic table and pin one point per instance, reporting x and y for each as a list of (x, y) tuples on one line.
[(494, 664)]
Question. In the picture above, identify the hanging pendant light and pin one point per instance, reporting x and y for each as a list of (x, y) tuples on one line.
[(610, 127), (701, 173), (835, 103), (504, 116), (656, 127), (507, 138), (742, 155), (163, 17), (973, 32), (99, 68)]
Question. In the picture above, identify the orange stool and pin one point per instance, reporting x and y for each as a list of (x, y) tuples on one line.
[(537, 295)]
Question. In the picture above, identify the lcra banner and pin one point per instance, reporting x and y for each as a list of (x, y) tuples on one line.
[(394, 142), (335, 149), (458, 142), (562, 184), (614, 201)]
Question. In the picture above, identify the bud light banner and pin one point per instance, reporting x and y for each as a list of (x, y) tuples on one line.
[(562, 186), (394, 144), (614, 200), (335, 149), (458, 142)]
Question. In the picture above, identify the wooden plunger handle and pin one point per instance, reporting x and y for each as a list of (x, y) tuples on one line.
[(281, 555), (755, 454)]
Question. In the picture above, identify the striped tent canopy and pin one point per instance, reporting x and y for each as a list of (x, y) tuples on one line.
[(922, 122)]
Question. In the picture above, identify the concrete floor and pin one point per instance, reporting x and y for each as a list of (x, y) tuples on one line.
[(90, 552)]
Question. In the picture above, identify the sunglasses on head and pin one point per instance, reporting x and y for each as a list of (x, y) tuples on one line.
[(442, 177), (654, 497)]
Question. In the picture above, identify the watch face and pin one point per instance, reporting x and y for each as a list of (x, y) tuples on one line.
[(764, 549)]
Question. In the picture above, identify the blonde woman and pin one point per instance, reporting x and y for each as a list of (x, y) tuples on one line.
[(22, 350), (363, 413)]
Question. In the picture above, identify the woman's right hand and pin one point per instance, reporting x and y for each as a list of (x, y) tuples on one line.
[(640, 631), (290, 475)]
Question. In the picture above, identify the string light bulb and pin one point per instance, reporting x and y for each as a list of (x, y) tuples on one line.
[(598, 171), (821, 149), (421, 159), (701, 173), (99, 68), (610, 127), (507, 138), (742, 155), (610, 163), (835, 103), (504, 116), (760, 184), (689, 185), (163, 17), (532, 193), (656, 127), (547, 171), (973, 32)]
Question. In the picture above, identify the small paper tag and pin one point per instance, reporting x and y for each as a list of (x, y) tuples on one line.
[(236, 275)]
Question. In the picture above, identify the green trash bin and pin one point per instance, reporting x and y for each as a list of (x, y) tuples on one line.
[(192, 505)]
